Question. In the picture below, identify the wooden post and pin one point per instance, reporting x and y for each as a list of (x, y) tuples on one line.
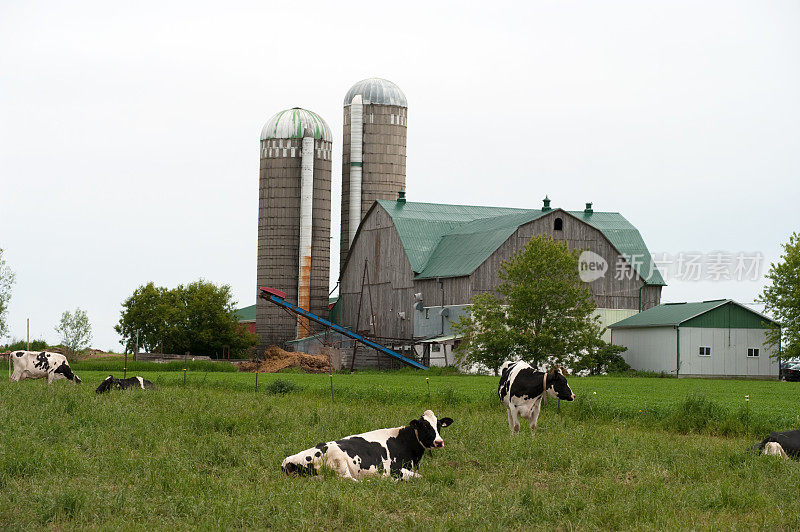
[(331, 375), (125, 367), (185, 366), (428, 381), (256, 381)]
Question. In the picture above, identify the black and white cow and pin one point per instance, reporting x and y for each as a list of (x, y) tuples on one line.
[(522, 390), (394, 452), (111, 383), (783, 444), (41, 364)]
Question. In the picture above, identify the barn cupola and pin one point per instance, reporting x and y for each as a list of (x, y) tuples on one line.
[(546, 204), (401, 196), (588, 209)]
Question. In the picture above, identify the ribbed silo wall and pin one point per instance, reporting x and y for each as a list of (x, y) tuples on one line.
[(384, 162), (279, 233)]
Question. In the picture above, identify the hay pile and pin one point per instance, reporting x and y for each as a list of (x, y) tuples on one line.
[(276, 359)]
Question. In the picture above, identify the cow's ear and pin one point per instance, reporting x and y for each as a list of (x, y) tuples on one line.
[(445, 422), (414, 424)]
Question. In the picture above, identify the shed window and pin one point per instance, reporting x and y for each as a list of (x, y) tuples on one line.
[(435, 348), (705, 351), (752, 351), (558, 224)]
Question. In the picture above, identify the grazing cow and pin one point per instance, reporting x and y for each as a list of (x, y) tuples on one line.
[(781, 444), (110, 383), (522, 389), (394, 452), (37, 365)]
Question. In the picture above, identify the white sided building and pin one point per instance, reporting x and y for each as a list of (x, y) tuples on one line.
[(719, 338)]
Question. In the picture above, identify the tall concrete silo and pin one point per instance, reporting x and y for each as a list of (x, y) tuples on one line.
[(294, 220), (373, 151)]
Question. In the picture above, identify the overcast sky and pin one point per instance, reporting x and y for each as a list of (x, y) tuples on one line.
[(129, 132)]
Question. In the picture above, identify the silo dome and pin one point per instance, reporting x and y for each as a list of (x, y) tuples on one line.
[(291, 123), (377, 91)]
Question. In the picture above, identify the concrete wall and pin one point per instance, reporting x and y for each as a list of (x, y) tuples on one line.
[(384, 161), (279, 233), (728, 353)]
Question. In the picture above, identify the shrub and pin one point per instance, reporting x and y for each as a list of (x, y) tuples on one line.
[(282, 387)]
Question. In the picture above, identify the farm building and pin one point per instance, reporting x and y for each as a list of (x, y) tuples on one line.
[(413, 266), (719, 338), (247, 317)]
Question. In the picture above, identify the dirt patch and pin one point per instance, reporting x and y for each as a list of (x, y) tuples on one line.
[(276, 359)]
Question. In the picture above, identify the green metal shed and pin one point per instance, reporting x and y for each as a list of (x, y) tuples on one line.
[(715, 338)]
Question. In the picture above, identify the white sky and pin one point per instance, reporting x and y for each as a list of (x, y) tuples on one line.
[(129, 131)]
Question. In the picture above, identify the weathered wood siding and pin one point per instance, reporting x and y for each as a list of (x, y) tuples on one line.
[(608, 291), (392, 284), (390, 279)]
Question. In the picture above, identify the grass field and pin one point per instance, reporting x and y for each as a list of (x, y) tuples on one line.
[(640, 453)]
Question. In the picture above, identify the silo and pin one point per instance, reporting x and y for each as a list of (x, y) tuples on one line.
[(294, 220), (373, 151)]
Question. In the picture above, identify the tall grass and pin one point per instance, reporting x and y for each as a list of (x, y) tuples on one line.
[(207, 456)]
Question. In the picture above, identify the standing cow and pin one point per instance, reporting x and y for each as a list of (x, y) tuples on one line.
[(38, 365), (522, 390), (394, 452)]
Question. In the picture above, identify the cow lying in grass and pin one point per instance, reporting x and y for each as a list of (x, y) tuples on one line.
[(782, 444), (396, 452), (38, 365), (522, 390), (110, 383)]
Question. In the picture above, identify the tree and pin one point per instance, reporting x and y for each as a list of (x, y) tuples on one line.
[(602, 358), (782, 299), (75, 331), (548, 312), (6, 280), (198, 317), (485, 338)]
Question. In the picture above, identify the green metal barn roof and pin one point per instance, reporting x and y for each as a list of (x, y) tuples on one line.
[(713, 313), (453, 240), (246, 313)]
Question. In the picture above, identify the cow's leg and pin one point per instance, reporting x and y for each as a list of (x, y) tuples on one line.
[(534, 415), (337, 462), (513, 422), (406, 474)]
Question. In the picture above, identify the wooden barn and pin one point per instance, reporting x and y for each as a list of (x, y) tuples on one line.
[(429, 259), (718, 338)]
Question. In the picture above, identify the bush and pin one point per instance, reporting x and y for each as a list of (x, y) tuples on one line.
[(282, 387), (21, 345)]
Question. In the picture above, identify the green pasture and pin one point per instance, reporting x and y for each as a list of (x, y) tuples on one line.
[(641, 453)]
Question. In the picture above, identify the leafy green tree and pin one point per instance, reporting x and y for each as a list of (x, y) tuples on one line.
[(602, 358), (485, 338), (782, 299), (75, 330), (198, 317), (6, 280), (548, 310)]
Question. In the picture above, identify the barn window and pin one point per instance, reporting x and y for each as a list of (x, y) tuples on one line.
[(435, 348), (752, 351), (558, 224), (705, 351)]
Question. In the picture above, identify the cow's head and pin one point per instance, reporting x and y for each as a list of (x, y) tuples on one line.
[(557, 385), (106, 385), (427, 428), (64, 370)]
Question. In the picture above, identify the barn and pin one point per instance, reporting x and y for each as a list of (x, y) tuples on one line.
[(717, 338), (412, 267)]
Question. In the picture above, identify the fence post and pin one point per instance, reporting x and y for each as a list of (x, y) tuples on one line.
[(185, 366), (256, 381), (125, 367), (331, 375), (428, 382)]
